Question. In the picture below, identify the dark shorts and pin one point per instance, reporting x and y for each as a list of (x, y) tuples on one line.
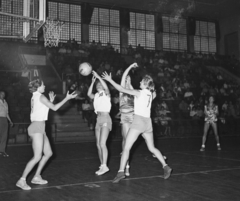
[(127, 118), (104, 120), (142, 124), (37, 127)]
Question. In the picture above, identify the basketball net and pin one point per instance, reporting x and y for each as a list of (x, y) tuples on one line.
[(52, 31)]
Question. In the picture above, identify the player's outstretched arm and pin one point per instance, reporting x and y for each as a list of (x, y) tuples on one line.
[(107, 77), (126, 72), (55, 107), (102, 82), (90, 94)]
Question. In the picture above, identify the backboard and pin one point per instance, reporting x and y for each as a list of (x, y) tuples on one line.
[(21, 18)]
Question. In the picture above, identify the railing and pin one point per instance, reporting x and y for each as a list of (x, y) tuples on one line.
[(19, 130), (173, 128), (185, 128)]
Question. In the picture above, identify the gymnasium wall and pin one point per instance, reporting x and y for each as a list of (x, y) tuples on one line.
[(228, 26)]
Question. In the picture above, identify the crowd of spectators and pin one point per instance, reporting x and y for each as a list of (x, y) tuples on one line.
[(183, 80)]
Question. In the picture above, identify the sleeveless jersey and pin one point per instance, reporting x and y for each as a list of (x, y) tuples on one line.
[(142, 104), (126, 103), (39, 111), (102, 102), (211, 115)]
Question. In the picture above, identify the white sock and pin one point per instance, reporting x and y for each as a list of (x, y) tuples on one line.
[(165, 165)]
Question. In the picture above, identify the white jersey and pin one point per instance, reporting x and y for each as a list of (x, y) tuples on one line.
[(102, 102), (142, 104), (39, 111)]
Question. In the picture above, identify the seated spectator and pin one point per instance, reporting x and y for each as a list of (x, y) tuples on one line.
[(161, 115), (130, 49), (99, 45), (88, 113), (183, 107), (191, 106), (200, 112), (94, 44), (225, 106), (186, 84), (219, 76), (193, 112), (188, 95), (109, 46), (222, 91), (169, 95), (231, 110), (164, 104)]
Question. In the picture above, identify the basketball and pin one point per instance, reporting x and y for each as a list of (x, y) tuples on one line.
[(85, 69)]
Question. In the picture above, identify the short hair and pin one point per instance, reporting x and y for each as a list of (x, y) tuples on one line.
[(212, 97), (148, 81), (33, 85)]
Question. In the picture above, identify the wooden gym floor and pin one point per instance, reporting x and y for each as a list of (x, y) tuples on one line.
[(197, 176)]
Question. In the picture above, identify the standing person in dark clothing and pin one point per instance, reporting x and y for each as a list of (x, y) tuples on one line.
[(4, 118)]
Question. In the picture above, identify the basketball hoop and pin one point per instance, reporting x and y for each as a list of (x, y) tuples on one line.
[(51, 31)]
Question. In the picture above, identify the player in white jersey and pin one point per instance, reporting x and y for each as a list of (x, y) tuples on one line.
[(102, 106), (141, 124), (42, 151)]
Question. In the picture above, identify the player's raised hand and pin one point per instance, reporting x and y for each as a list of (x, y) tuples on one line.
[(52, 96), (107, 77), (95, 74), (93, 79), (134, 65), (72, 95)]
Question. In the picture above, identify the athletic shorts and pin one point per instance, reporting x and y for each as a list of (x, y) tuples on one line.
[(127, 118), (37, 127), (142, 124), (104, 120)]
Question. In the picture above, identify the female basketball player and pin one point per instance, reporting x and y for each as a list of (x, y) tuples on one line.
[(211, 113), (141, 124), (41, 147), (126, 108), (102, 106)]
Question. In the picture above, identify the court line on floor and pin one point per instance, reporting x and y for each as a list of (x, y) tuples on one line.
[(230, 159), (117, 156), (128, 179), (73, 159)]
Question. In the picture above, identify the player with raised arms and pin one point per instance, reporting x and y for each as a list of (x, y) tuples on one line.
[(126, 107), (42, 151), (102, 106), (142, 123)]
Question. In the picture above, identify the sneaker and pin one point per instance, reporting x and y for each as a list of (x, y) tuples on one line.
[(120, 176), (23, 185), (103, 170), (99, 169), (167, 172), (219, 148), (202, 149), (38, 180), (127, 172)]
